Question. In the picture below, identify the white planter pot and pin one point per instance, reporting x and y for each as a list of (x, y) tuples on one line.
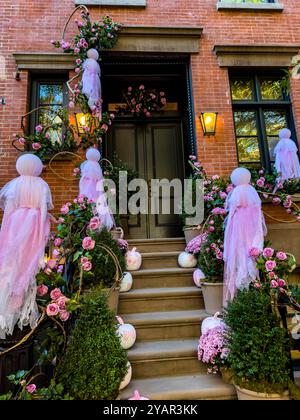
[(246, 394), (213, 297)]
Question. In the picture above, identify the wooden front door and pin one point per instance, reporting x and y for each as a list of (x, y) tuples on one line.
[(155, 149)]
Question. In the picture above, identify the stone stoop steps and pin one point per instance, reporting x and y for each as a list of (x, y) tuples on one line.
[(166, 309)]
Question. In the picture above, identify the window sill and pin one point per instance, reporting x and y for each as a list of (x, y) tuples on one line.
[(132, 3), (271, 7)]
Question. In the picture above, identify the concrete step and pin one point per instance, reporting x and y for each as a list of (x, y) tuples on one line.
[(161, 299), (167, 277), (185, 387), (167, 325), (162, 358), (155, 260), (158, 245)]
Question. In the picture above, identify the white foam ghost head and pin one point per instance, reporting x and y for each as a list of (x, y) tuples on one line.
[(93, 54), (285, 133), (93, 154), (30, 165), (241, 176)]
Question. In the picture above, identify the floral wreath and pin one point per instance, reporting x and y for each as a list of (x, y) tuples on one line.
[(141, 102)]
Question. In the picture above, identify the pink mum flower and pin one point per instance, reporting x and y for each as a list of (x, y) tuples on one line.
[(281, 256), (65, 209)]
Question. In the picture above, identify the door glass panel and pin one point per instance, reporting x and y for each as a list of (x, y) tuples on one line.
[(270, 89), (242, 89), (248, 149), (274, 122), (245, 123), (51, 94), (47, 118)]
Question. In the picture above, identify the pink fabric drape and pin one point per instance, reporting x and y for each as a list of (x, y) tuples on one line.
[(245, 229), (24, 234)]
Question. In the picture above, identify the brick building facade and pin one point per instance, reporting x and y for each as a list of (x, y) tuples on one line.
[(217, 42)]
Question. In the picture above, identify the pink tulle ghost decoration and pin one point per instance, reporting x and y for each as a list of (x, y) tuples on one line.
[(91, 82), (137, 396), (287, 161), (24, 234), (245, 229), (91, 186)]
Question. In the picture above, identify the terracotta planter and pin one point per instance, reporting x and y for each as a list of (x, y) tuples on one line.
[(245, 394), (213, 296), (227, 375), (191, 233)]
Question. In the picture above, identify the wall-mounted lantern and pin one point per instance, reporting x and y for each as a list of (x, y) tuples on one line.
[(209, 123)]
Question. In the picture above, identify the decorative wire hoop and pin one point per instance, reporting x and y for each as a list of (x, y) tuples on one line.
[(55, 172)]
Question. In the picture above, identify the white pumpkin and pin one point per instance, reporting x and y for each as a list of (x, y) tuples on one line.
[(127, 379), (126, 282), (186, 260), (127, 334), (211, 322), (198, 277), (133, 260)]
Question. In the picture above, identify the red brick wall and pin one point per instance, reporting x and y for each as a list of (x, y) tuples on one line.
[(28, 25)]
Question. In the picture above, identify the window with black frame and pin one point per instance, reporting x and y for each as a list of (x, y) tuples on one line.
[(261, 109), (48, 95)]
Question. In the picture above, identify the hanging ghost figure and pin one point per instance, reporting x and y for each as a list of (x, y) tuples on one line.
[(91, 186), (245, 229), (24, 234), (91, 82), (287, 162)]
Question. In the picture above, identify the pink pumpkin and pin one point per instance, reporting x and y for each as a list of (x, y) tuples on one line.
[(211, 322), (136, 396), (133, 260), (127, 379), (198, 277), (127, 334)]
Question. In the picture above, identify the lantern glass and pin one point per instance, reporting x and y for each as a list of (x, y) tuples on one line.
[(83, 121), (209, 122)]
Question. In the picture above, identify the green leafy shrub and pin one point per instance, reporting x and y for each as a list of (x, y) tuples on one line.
[(95, 363), (259, 347), (104, 268)]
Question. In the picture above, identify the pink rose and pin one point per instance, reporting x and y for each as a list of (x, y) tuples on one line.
[(22, 140), (52, 309), (31, 388), (254, 252), (268, 252), (64, 316), (76, 50), (130, 89), (51, 264), (48, 271), (88, 243), (281, 283), (211, 229), (257, 285), (61, 220), (272, 275), (142, 87), (81, 199), (36, 146), (65, 209), (55, 294), (95, 223), (223, 195), (229, 188), (42, 290), (39, 128), (84, 260), (281, 256), (276, 201), (274, 284), (260, 183), (77, 70), (270, 265), (61, 302), (192, 157), (104, 127), (58, 242), (87, 266)]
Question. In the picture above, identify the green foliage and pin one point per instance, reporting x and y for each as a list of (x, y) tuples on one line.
[(95, 363), (259, 347), (104, 268)]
